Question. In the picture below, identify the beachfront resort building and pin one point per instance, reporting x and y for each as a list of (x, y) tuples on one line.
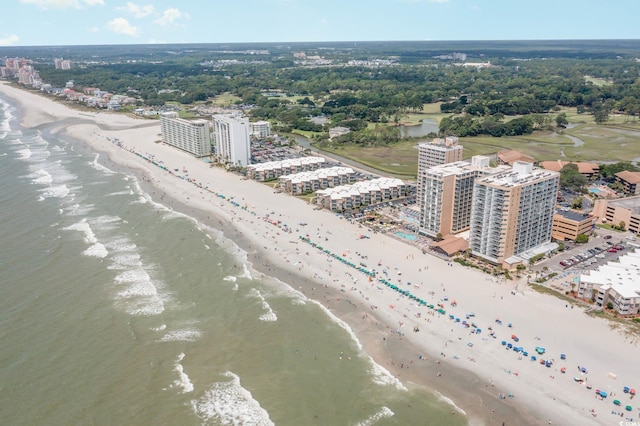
[(232, 140), (306, 182), (192, 136), (448, 191), (271, 170), (624, 211), (630, 181), (616, 282), (512, 213), (568, 224), (349, 197), (260, 129), (436, 153)]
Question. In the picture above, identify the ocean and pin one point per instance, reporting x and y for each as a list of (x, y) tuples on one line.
[(115, 309)]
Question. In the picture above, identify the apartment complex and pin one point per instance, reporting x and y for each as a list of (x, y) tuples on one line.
[(347, 197), (512, 212), (62, 64), (567, 225), (232, 141), (271, 170), (304, 182), (435, 153), (615, 212), (193, 136), (588, 170), (617, 283), (630, 181), (448, 190), (260, 129)]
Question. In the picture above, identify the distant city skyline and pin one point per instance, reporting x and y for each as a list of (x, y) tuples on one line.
[(88, 22)]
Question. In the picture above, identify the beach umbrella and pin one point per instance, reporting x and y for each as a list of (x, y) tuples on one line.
[(616, 401), (628, 408), (632, 391), (603, 394), (625, 389)]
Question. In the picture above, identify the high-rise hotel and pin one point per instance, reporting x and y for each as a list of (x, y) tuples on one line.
[(448, 191), (512, 212), (193, 136), (435, 153), (232, 139)]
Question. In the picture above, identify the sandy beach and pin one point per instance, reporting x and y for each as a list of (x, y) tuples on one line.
[(282, 237)]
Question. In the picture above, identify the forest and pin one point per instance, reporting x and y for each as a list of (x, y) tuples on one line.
[(515, 95)]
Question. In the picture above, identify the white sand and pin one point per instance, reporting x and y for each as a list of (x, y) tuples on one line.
[(587, 341)]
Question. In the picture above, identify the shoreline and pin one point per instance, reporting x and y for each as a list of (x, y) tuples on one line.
[(538, 397)]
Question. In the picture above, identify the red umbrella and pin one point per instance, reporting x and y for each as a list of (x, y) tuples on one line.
[(632, 391)]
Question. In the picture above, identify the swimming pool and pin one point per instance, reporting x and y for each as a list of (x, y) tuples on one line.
[(410, 237), (594, 190)]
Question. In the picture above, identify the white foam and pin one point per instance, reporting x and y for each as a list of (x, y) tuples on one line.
[(141, 306), (99, 166), (383, 413), (182, 335), (79, 209), (84, 227), (161, 327), (441, 397), (59, 191), (97, 250), (383, 377), (24, 154), (228, 403), (41, 177), (341, 323), (230, 278), (183, 380), (105, 222), (125, 192), (269, 315)]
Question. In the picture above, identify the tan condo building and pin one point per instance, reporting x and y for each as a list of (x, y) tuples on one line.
[(567, 225), (436, 153), (512, 212), (614, 212), (630, 181), (448, 191)]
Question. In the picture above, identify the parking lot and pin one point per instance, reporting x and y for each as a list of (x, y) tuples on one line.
[(605, 247)]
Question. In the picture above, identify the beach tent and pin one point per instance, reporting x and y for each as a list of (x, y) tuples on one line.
[(603, 394), (616, 401), (628, 408)]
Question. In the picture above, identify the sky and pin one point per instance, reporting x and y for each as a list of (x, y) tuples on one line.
[(88, 22)]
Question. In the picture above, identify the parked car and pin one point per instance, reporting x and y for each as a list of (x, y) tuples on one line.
[(563, 263), (612, 250), (607, 237)]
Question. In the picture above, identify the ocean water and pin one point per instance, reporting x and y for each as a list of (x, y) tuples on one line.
[(115, 309)]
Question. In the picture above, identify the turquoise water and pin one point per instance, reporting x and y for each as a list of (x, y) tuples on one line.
[(594, 190), (410, 237)]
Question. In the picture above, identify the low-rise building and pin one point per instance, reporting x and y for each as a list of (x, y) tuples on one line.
[(271, 170), (334, 132), (616, 212), (617, 283), (510, 156), (348, 197), (630, 181), (567, 225), (305, 182), (588, 170), (260, 129)]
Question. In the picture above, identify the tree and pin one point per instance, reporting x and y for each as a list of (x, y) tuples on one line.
[(622, 225), (576, 203), (571, 178), (582, 239), (561, 120)]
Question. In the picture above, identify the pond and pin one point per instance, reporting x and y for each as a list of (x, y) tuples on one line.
[(425, 127)]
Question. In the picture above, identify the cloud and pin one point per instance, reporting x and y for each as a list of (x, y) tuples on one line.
[(9, 40), (63, 4), (169, 16), (137, 10), (94, 30), (122, 26)]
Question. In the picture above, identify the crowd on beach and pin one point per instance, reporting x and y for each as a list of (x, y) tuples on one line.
[(417, 301)]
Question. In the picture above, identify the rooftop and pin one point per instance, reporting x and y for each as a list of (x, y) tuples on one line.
[(521, 174), (269, 165), (631, 177), (315, 174), (631, 203), (572, 215), (622, 276)]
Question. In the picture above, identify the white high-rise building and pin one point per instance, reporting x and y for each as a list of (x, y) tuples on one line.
[(260, 129), (193, 136), (512, 212), (448, 190), (231, 136)]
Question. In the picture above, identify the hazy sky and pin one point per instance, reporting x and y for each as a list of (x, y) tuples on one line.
[(70, 22)]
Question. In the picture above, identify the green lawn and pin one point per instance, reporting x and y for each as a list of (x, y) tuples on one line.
[(225, 99), (399, 160)]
